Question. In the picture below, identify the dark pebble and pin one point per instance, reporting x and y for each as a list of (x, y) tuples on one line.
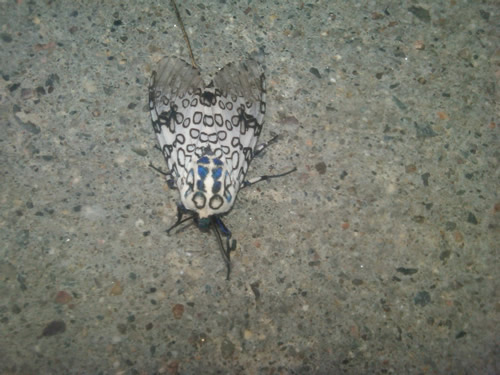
[(484, 15), (54, 328), (471, 218), (422, 298), (418, 219), (407, 271), (315, 72), (399, 103), (399, 54), (450, 225), (13, 87), (52, 79), (227, 349), (445, 255), (425, 178), (255, 289), (7, 38), (140, 151), (122, 328), (29, 127), (424, 131), (421, 13), (321, 167)]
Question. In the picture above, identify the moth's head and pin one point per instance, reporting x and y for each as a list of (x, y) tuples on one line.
[(204, 224), (207, 189)]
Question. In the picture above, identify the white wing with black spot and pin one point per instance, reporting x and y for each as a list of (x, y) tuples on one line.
[(174, 89), (242, 89), (220, 121)]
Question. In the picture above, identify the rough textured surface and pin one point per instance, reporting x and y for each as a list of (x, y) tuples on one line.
[(380, 255)]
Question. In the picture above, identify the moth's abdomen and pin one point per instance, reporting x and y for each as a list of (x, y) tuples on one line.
[(208, 188)]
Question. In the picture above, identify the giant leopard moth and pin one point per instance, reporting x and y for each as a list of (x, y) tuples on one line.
[(208, 135)]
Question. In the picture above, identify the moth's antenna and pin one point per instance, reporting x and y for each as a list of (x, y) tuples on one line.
[(184, 33), (225, 253)]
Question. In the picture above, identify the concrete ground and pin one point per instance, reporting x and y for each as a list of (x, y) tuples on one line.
[(378, 256)]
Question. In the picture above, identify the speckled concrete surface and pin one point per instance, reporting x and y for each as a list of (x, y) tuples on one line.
[(378, 256)]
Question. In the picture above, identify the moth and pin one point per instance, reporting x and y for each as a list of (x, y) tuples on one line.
[(208, 135)]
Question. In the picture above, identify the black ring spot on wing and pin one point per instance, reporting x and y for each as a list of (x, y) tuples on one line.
[(218, 119), (194, 133), (216, 202), (199, 200), (222, 135), (208, 120), (197, 117), (180, 139)]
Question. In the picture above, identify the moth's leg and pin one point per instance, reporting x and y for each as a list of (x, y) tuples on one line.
[(180, 213), (220, 228), (168, 176), (266, 177), (159, 170), (258, 150)]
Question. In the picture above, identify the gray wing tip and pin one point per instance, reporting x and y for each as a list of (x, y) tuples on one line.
[(174, 75), (244, 78)]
